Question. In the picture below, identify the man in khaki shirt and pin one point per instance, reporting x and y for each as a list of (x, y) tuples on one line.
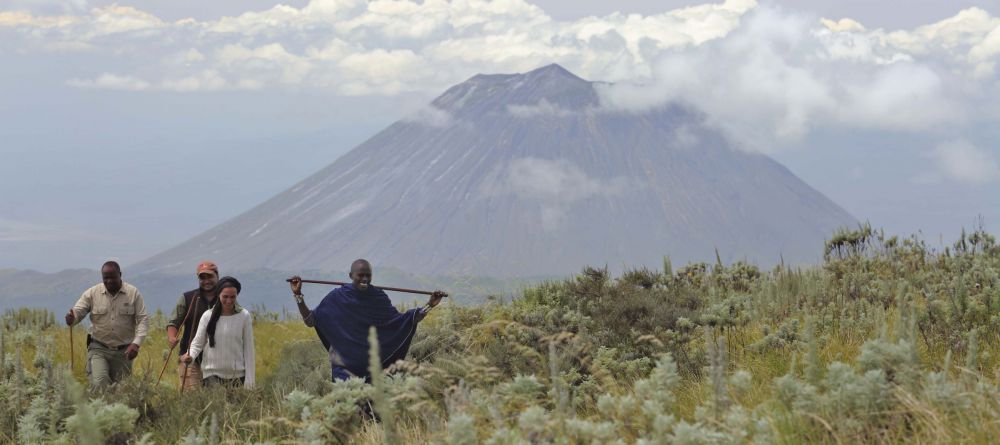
[(119, 323)]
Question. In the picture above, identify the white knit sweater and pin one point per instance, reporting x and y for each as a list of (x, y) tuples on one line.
[(232, 357)]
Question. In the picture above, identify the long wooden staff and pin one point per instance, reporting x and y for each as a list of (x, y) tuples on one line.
[(165, 361), (72, 356), (184, 379), (194, 301), (341, 283)]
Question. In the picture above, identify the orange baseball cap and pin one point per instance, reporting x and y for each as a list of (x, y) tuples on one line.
[(207, 266)]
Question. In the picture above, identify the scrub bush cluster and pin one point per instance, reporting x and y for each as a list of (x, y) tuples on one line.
[(887, 341)]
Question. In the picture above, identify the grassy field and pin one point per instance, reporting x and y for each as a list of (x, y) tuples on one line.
[(888, 341)]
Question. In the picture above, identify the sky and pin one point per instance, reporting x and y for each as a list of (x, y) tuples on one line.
[(127, 127)]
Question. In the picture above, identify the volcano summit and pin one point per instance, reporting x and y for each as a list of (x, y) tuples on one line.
[(527, 175)]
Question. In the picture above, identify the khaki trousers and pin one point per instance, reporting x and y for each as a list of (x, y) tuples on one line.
[(213, 380), (106, 365), (193, 375)]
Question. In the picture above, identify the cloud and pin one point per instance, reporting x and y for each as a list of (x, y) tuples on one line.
[(844, 24), (207, 80), (29, 20), (542, 108), (111, 82), (765, 76), (46, 7), (389, 47), (778, 77), (754, 83), (431, 116), (903, 96), (355, 47), (962, 161), (382, 71), (556, 179), (116, 19), (556, 184)]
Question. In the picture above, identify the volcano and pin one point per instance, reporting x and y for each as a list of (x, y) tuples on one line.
[(527, 175)]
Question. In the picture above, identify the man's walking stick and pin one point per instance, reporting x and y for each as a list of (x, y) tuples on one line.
[(165, 361), (184, 379), (72, 356), (341, 283), (191, 305)]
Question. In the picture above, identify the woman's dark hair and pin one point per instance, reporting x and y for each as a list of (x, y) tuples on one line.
[(224, 282)]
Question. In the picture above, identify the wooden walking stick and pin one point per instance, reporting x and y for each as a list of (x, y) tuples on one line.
[(194, 302), (184, 378), (395, 289), (72, 356), (165, 361)]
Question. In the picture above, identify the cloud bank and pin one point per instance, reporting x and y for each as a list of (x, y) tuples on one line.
[(767, 77), (357, 47), (964, 162), (779, 76), (556, 184)]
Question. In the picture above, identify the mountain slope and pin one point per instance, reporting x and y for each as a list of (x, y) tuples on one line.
[(525, 174)]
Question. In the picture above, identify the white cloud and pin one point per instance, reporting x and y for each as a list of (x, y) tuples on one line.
[(192, 56), (356, 47), (207, 80), (899, 96), (116, 19), (29, 20), (984, 53), (382, 71), (556, 179), (384, 39), (768, 77), (955, 35), (542, 108), (844, 24), (269, 63), (778, 77), (962, 161), (754, 83), (431, 116), (556, 184), (111, 82), (48, 6)]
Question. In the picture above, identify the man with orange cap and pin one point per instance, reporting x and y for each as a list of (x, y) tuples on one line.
[(188, 311)]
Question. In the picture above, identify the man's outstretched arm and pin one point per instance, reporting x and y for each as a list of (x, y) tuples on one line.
[(307, 315), (434, 301)]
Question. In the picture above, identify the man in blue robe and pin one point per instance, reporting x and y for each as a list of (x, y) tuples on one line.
[(344, 316)]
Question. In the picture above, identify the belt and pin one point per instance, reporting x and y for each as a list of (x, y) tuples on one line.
[(92, 340)]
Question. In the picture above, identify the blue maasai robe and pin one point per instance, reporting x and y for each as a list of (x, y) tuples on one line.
[(342, 321)]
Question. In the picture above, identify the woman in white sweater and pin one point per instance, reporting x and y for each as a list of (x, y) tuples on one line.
[(229, 357)]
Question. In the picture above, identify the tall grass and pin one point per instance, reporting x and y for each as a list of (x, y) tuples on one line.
[(888, 341)]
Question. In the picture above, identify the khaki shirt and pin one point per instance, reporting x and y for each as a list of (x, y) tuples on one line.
[(115, 320)]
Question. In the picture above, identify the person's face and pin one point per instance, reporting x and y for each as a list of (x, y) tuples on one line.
[(207, 281), (112, 279), (361, 275), (227, 298)]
